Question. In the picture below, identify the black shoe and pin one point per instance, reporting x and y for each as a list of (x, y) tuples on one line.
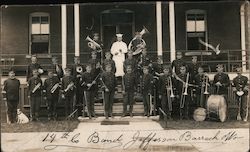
[(131, 114)]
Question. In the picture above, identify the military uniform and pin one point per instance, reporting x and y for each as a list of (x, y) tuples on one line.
[(240, 82), (57, 69), (94, 63), (35, 96), (109, 80), (111, 62), (30, 68), (132, 63), (146, 87), (176, 64), (52, 97), (193, 69), (144, 61), (200, 80), (68, 94), (11, 88), (130, 83), (89, 93), (223, 78)]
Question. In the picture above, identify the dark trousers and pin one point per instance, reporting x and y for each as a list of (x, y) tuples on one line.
[(89, 102), (68, 105), (108, 99), (165, 105), (35, 102), (79, 101), (184, 111), (243, 105), (128, 100), (201, 100), (52, 104), (146, 103), (12, 110)]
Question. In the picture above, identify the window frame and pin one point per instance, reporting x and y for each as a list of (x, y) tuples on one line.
[(38, 14), (196, 11)]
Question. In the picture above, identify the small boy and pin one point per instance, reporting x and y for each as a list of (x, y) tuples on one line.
[(108, 81), (89, 85), (68, 91), (130, 61), (144, 60), (147, 84), (129, 81), (109, 60), (35, 88), (32, 66), (11, 93), (51, 88)]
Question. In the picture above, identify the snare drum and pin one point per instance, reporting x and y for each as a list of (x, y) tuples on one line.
[(216, 104), (199, 114)]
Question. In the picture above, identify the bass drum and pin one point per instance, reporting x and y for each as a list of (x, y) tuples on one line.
[(216, 104)]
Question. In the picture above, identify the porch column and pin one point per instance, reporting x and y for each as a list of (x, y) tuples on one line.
[(243, 37), (172, 30), (77, 29), (159, 28), (64, 34)]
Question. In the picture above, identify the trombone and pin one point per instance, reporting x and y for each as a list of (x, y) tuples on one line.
[(206, 85), (185, 88), (170, 93)]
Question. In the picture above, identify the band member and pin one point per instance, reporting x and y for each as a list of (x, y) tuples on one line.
[(109, 83), (202, 81), (193, 67), (129, 81), (137, 44), (68, 91), (240, 84), (89, 85), (34, 90), (97, 49), (144, 60), (118, 50), (221, 81), (184, 92), (51, 88), (130, 61), (32, 66), (77, 69), (166, 93), (108, 60), (147, 83), (95, 64), (176, 64), (57, 69), (10, 92), (158, 67)]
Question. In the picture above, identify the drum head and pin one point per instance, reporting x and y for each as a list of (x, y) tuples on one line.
[(199, 114), (222, 113)]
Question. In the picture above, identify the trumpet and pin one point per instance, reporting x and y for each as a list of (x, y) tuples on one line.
[(36, 87), (186, 85), (206, 85), (92, 44), (53, 89), (69, 87), (169, 88)]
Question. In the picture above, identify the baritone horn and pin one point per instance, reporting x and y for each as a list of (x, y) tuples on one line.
[(92, 44), (144, 31), (186, 85), (79, 69)]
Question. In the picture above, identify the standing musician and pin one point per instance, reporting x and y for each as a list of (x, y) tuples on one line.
[(130, 61), (166, 93), (51, 88), (76, 70), (118, 50), (137, 44), (35, 92), (32, 66), (95, 64), (97, 49), (184, 91), (144, 60), (201, 92), (108, 60), (89, 86), (221, 81), (57, 69), (240, 84), (193, 67), (108, 81), (176, 64), (68, 91)]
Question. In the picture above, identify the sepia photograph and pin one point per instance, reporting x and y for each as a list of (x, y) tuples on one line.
[(125, 76)]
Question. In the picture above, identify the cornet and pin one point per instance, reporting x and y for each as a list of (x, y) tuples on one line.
[(36, 87), (144, 31), (186, 85), (53, 89), (92, 44), (206, 85), (69, 87)]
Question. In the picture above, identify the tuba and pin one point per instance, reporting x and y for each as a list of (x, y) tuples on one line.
[(93, 45), (79, 69), (144, 31)]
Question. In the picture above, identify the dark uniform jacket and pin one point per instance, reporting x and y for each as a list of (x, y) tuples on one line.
[(130, 82), (88, 78), (131, 62), (111, 62), (32, 83), (193, 69), (240, 82), (177, 64), (66, 80), (48, 85), (30, 68), (136, 42), (147, 83), (223, 78), (58, 70), (145, 60), (164, 82), (74, 72), (109, 80), (93, 63), (199, 80), (11, 86), (180, 84)]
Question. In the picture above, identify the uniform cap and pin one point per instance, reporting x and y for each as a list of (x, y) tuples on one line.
[(119, 35)]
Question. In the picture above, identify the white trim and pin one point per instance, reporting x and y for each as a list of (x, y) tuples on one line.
[(243, 36), (64, 34), (172, 30), (77, 29), (159, 28)]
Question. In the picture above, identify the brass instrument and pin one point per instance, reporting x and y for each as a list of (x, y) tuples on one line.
[(93, 45), (106, 88), (185, 87), (92, 83), (170, 93), (239, 93), (206, 85), (79, 69), (53, 89), (69, 87), (36, 87)]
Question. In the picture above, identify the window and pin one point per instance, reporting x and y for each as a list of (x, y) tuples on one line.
[(195, 29), (39, 33)]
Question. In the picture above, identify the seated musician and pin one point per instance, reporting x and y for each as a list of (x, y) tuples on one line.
[(193, 67), (176, 64), (137, 44), (240, 84), (144, 60)]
